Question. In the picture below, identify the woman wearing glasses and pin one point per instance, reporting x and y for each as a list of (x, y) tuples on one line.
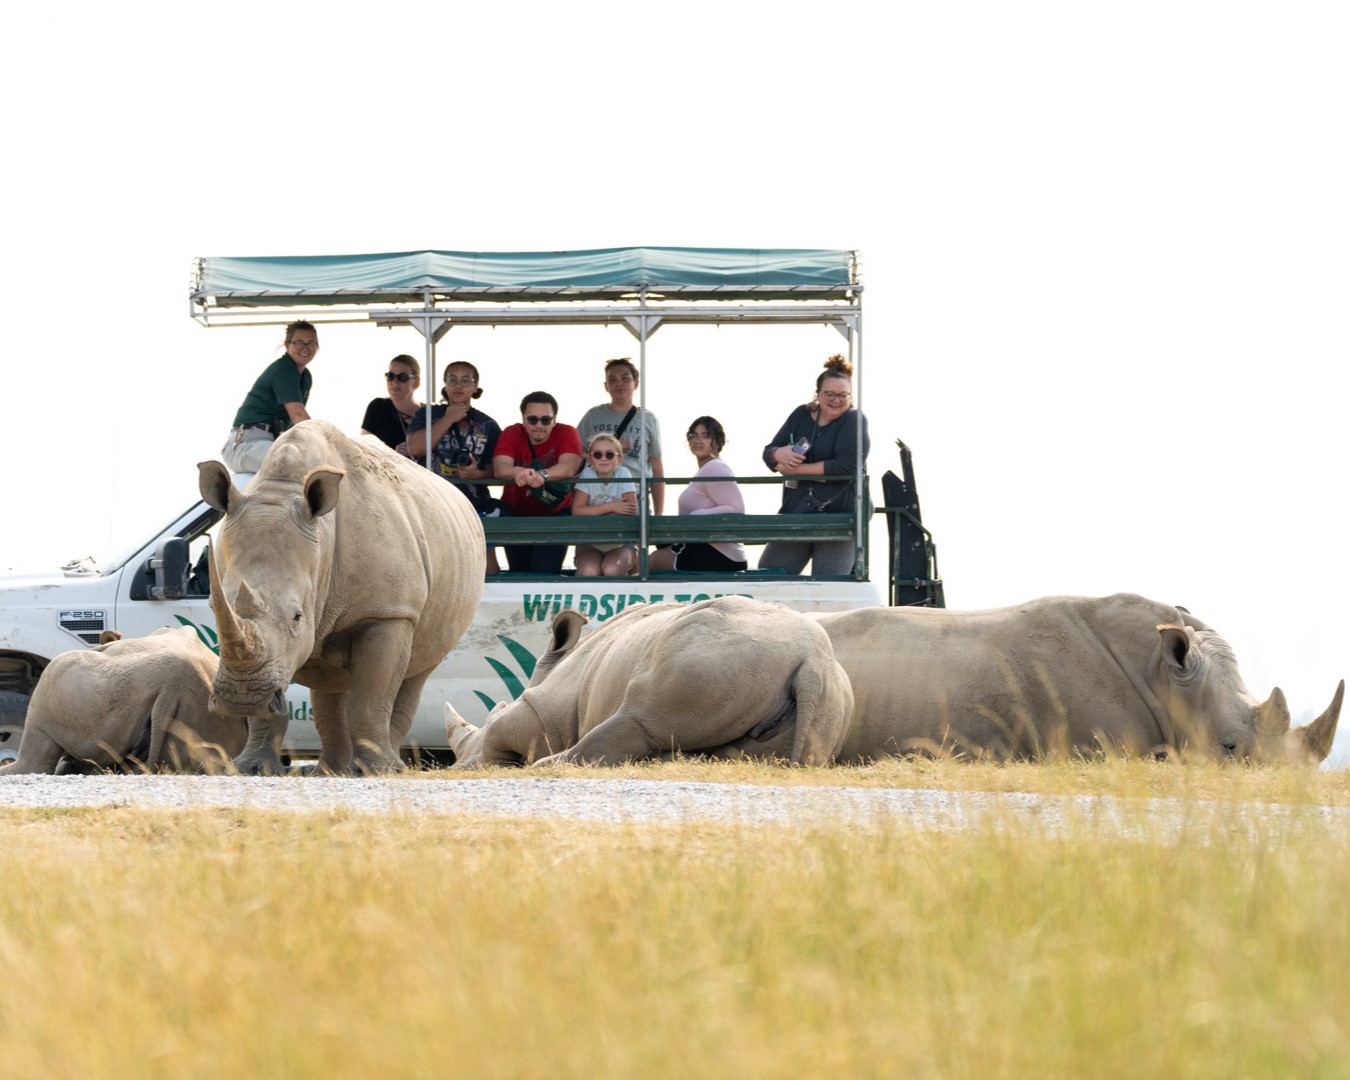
[(612, 491), (275, 402), (824, 437), (463, 441), (529, 454), (388, 418), (712, 492)]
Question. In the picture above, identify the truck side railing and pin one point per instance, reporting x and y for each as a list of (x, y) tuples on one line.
[(645, 529)]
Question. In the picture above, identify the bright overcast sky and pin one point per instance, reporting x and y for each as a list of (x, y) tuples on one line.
[(1104, 249)]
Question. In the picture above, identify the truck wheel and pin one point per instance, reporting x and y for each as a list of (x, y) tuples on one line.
[(13, 708)]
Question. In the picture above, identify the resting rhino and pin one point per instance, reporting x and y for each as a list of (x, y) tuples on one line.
[(358, 597), (133, 703), (1059, 674), (656, 679)]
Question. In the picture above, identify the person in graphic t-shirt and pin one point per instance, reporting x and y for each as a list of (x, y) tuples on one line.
[(464, 440)]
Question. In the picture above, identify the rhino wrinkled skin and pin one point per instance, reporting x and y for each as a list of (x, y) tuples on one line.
[(660, 679), (1058, 675), (346, 568), (135, 703)]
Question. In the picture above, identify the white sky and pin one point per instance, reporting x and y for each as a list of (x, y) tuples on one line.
[(1104, 250)]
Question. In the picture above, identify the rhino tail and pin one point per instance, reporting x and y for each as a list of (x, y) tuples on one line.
[(808, 687)]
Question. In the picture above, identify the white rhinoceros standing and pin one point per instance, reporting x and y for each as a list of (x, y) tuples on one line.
[(346, 568), (731, 677), (128, 703), (1060, 674)]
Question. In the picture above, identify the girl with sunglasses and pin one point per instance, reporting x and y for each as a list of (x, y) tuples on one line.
[(824, 437), (387, 418), (613, 491)]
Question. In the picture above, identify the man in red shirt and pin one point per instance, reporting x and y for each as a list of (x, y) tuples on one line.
[(528, 455)]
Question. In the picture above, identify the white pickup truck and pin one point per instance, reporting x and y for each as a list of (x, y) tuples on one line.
[(163, 582)]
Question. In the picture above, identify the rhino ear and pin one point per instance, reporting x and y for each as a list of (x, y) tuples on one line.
[(1176, 644), (563, 638), (321, 489), (566, 630), (109, 636), (218, 490)]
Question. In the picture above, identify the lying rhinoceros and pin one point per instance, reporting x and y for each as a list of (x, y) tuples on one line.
[(1061, 674), (730, 676), (134, 703)]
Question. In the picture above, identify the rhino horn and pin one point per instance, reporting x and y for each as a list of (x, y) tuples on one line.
[(1272, 715), (237, 642), (246, 605), (1318, 736)]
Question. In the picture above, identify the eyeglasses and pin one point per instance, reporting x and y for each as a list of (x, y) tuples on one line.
[(307, 346), (607, 455), (834, 395), (544, 420), (398, 376), (697, 435), (468, 380)]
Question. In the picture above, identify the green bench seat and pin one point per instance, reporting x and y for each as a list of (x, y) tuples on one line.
[(695, 528)]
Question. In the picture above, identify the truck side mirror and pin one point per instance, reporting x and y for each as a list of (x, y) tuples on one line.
[(170, 567)]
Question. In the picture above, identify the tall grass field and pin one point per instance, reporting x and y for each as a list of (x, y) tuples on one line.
[(231, 943)]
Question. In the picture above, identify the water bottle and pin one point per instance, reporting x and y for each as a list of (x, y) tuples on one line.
[(801, 446)]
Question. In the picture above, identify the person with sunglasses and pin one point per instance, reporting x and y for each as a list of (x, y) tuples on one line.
[(275, 402), (464, 440), (528, 456), (631, 424), (824, 437), (713, 491), (612, 491), (388, 418)]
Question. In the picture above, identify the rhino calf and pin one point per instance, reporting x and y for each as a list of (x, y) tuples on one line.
[(128, 703), (1062, 674), (729, 677)]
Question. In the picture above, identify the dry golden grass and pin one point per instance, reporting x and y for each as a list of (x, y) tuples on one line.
[(228, 943)]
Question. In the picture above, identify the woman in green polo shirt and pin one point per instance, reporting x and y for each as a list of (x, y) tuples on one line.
[(276, 401)]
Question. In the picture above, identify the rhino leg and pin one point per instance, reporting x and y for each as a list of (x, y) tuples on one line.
[(335, 736), (405, 708), (622, 737), (261, 755), (38, 752), (379, 660)]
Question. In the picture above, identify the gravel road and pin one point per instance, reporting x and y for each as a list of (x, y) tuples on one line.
[(664, 802)]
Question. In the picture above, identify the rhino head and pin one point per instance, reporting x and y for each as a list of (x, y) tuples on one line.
[(1211, 711), (269, 572)]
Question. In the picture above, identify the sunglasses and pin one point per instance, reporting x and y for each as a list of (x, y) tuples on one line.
[(398, 376), (545, 420), (607, 455)]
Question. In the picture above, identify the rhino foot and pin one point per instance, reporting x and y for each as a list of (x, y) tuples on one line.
[(376, 764), (258, 764)]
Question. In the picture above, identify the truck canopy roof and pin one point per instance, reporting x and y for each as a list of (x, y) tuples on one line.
[(598, 274)]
